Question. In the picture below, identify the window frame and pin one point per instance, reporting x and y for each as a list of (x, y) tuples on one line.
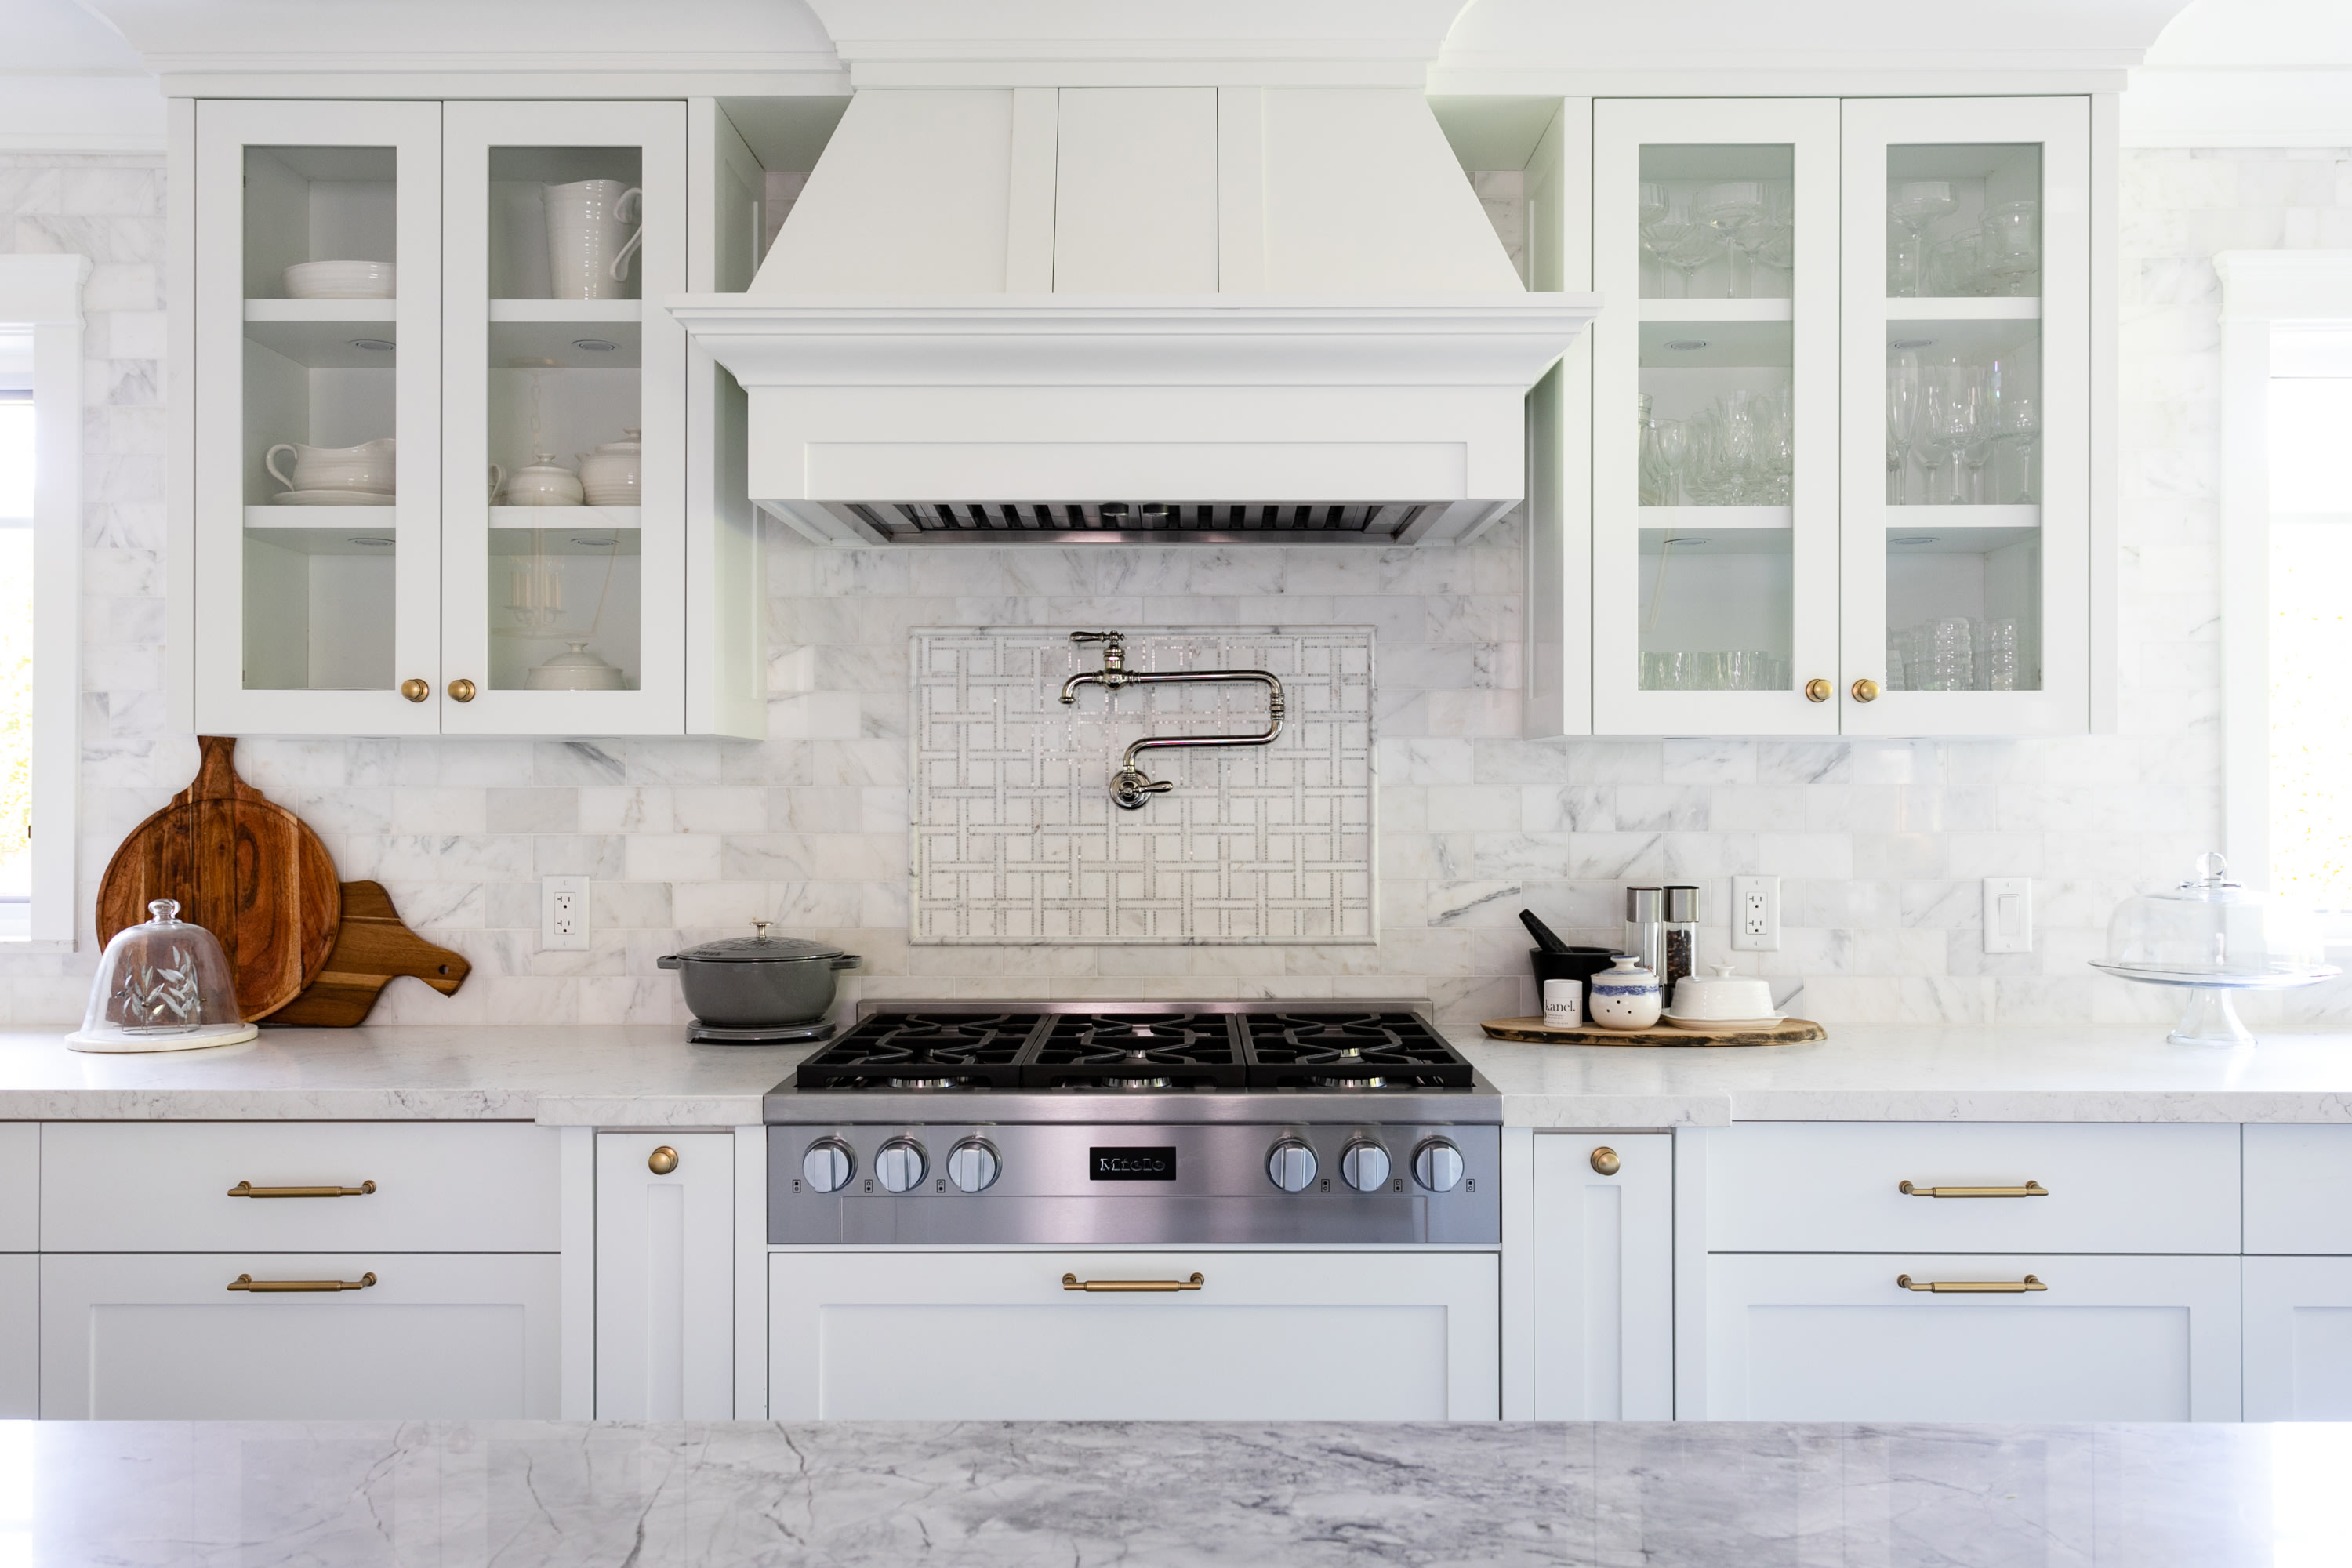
[(43, 295), (2262, 293)]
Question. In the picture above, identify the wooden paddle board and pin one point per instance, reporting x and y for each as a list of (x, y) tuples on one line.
[(242, 867), (1535, 1031), (371, 947)]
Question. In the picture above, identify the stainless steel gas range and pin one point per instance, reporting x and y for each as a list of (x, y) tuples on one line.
[(1062, 1124)]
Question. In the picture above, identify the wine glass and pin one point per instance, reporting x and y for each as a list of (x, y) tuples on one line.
[(1681, 242), (1947, 421), (1661, 461), (1733, 209), (1986, 431), (1914, 204), (2011, 251), (2021, 426), (1902, 419), (1776, 235)]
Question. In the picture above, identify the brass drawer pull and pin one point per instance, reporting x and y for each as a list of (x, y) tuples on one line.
[(1072, 1282), (1972, 1287), (248, 1190), (247, 1282), (2033, 1189)]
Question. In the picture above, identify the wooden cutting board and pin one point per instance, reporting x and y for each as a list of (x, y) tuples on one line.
[(371, 947), (242, 867), (1535, 1031)]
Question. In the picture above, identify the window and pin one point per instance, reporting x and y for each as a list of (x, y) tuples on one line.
[(2310, 629), (40, 595)]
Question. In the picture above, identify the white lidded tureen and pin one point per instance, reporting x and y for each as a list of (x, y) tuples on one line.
[(161, 986), (2214, 936)]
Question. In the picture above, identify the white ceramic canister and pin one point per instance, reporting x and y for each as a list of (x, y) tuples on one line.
[(610, 473), (1626, 996), (1564, 1004), (367, 467), (589, 238), (545, 483)]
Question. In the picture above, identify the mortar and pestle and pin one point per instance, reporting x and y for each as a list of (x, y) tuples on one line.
[(1556, 960)]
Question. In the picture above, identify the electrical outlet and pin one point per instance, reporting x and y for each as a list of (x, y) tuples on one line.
[(1756, 914), (2009, 914), (563, 913)]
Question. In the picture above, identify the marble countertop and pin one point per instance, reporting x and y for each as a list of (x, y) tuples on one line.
[(846, 1494), (630, 1075)]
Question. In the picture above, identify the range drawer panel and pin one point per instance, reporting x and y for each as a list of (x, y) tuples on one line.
[(2299, 1190), (1790, 1186), (439, 1187)]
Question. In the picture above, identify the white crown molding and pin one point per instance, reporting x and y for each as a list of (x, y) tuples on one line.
[(2286, 285), (1818, 79), (479, 77)]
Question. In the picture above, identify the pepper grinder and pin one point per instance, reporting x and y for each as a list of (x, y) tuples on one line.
[(1645, 928), (1681, 936)]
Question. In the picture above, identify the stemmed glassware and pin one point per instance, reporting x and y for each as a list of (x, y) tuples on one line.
[(1661, 462), (1914, 205), (1984, 431), (1676, 238), (2009, 251), (1734, 209), (2020, 423), (1948, 411), (1902, 419)]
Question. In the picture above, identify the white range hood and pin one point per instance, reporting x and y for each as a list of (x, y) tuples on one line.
[(1050, 284)]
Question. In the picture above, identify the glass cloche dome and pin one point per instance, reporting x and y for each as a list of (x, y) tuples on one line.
[(163, 985), (2215, 936)]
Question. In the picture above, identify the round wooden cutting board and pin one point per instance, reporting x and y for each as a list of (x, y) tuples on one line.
[(242, 867)]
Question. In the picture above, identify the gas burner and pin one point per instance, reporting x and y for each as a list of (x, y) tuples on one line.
[(1138, 1051), (1379, 1050), (908, 1050)]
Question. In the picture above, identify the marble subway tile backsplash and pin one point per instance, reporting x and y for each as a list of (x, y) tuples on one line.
[(1880, 844)]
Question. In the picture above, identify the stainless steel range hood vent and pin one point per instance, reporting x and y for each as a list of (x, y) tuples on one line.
[(1135, 523)]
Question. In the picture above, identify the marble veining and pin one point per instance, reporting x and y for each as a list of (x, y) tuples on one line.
[(1171, 1495)]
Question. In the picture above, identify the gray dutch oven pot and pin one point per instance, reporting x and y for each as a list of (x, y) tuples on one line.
[(758, 981)]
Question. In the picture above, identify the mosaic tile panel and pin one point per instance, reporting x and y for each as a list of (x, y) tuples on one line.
[(1015, 835)]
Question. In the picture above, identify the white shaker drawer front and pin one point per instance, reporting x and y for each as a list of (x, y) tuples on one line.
[(1837, 1338), (344, 1336), (2299, 1190), (300, 1186), (1790, 1186), (20, 1186)]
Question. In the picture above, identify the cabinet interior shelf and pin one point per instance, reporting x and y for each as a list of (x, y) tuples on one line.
[(308, 538), (365, 519), (566, 530), (1949, 335), (611, 312), (1963, 308), (1948, 517), (566, 345), (1753, 343), (1715, 518), (382, 310), (1705, 309)]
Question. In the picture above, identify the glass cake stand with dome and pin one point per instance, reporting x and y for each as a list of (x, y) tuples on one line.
[(161, 986), (2214, 936)]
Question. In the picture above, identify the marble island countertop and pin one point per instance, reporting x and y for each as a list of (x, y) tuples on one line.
[(847, 1494), (647, 1076)]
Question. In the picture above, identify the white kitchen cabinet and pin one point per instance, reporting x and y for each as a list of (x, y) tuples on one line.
[(1267, 1336), (2298, 1327), (163, 1337), (1834, 1337), (20, 1186), (665, 1275), (1603, 1276), (2298, 1189), (1773, 550), (440, 608), (20, 1336)]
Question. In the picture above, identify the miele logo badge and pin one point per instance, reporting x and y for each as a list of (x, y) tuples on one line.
[(1131, 1165)]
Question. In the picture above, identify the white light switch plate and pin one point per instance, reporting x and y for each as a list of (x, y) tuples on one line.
[(563, 913), (2009, 914), (1756, 914)]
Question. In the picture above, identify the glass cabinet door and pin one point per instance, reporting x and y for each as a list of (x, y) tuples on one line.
[(1966, 594), (564, 488), (1714, 391), (318, 463)]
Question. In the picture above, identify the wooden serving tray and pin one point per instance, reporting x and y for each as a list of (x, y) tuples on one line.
[(1535, 1031)]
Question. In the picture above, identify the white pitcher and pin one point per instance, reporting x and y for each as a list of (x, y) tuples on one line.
[(589, 240), (366, 467)]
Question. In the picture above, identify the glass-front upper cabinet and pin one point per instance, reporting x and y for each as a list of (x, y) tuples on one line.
[(564, 485), (1715, 520), (317, 466), (1967, 437)]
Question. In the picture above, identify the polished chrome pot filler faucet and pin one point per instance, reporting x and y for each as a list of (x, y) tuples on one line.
[(1128, 788)]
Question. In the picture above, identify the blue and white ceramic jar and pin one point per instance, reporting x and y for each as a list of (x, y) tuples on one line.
[(1626, 996)]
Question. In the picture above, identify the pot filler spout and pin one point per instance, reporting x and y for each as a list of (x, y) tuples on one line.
[(1197, 313), (1128, 786)]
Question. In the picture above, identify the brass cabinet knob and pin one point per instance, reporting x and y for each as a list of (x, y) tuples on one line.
[(1865, 691), (663, 1161), (1605, 1161), (1817, 689), (462, 689), (415, 690)]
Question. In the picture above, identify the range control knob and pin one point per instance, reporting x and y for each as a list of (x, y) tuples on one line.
[(828, 1165), (1290, 1166), (1365, 1166), (974, 1165), (1437, 1166), (899, 1165)]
